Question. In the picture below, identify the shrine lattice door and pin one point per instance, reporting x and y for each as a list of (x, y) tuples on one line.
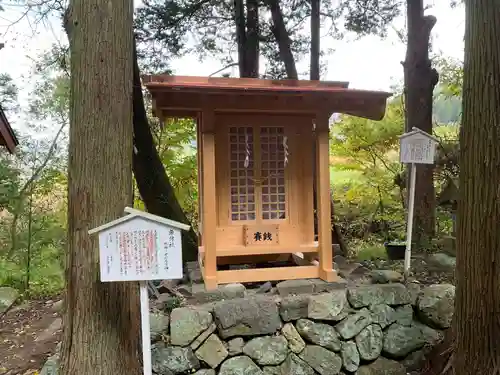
[(260, 177)]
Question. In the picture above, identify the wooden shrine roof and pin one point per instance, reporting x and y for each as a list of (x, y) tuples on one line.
[(186, 96), (7, 136)]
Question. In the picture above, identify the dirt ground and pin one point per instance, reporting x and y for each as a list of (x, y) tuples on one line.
[(29, 333), (422, 269)]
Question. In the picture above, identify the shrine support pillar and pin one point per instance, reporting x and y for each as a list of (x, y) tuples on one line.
[(326, 271), (209, 209)]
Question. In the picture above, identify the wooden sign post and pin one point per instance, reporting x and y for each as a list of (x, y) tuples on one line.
[(416, 147), (140, 247)]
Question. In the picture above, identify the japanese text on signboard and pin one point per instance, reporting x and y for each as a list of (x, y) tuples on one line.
[(140, 252), (417, 150)]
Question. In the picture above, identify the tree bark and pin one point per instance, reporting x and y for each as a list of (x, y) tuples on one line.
[(252, 40), (315, 40), (477, 311), (241, 36), (420, 79), (101, 324), (152, 182), (283, 39), (314, 76)]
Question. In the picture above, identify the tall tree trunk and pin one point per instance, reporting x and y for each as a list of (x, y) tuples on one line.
[(101, 324), (315, 40), (152, 182), (252, 40), (314, 76), (283, 39), (314, 67), (241, 36), (477, 311), (420, 79)]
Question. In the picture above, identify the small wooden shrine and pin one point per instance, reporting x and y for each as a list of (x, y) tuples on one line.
[(256, 165)]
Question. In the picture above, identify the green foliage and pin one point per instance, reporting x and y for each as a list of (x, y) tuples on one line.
[(33, 184), (175, 143), (371, 203), (34, 264), (365, 166), (50, 98), (448, 94), (446, 109), (8, 93), (33, 191), (368, 204), (451, 75), (448, 106), (9, 182)]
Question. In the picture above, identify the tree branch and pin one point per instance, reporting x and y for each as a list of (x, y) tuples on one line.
[(224, 68)]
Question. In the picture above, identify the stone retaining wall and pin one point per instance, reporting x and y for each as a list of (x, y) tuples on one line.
[(367, 330)]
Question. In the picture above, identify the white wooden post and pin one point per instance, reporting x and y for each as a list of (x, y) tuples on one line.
[(145, 328), (409, 227), (416, 147)]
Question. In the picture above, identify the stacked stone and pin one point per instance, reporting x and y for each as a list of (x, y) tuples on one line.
[(365, 330)]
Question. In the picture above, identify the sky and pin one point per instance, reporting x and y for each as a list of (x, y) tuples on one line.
[(368, 63)]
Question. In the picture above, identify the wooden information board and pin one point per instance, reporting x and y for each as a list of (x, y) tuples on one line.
[(140, 250)]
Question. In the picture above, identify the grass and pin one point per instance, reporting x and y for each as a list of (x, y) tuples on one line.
[(339, 177), (370, 249), (372, 252)]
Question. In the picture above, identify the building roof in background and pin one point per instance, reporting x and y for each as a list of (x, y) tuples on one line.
[(7, 136)]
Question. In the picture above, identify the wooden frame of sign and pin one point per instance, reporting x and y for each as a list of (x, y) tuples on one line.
[(255, 168)]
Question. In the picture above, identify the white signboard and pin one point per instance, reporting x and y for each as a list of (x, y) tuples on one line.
[(417, 147), (140, 249)]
